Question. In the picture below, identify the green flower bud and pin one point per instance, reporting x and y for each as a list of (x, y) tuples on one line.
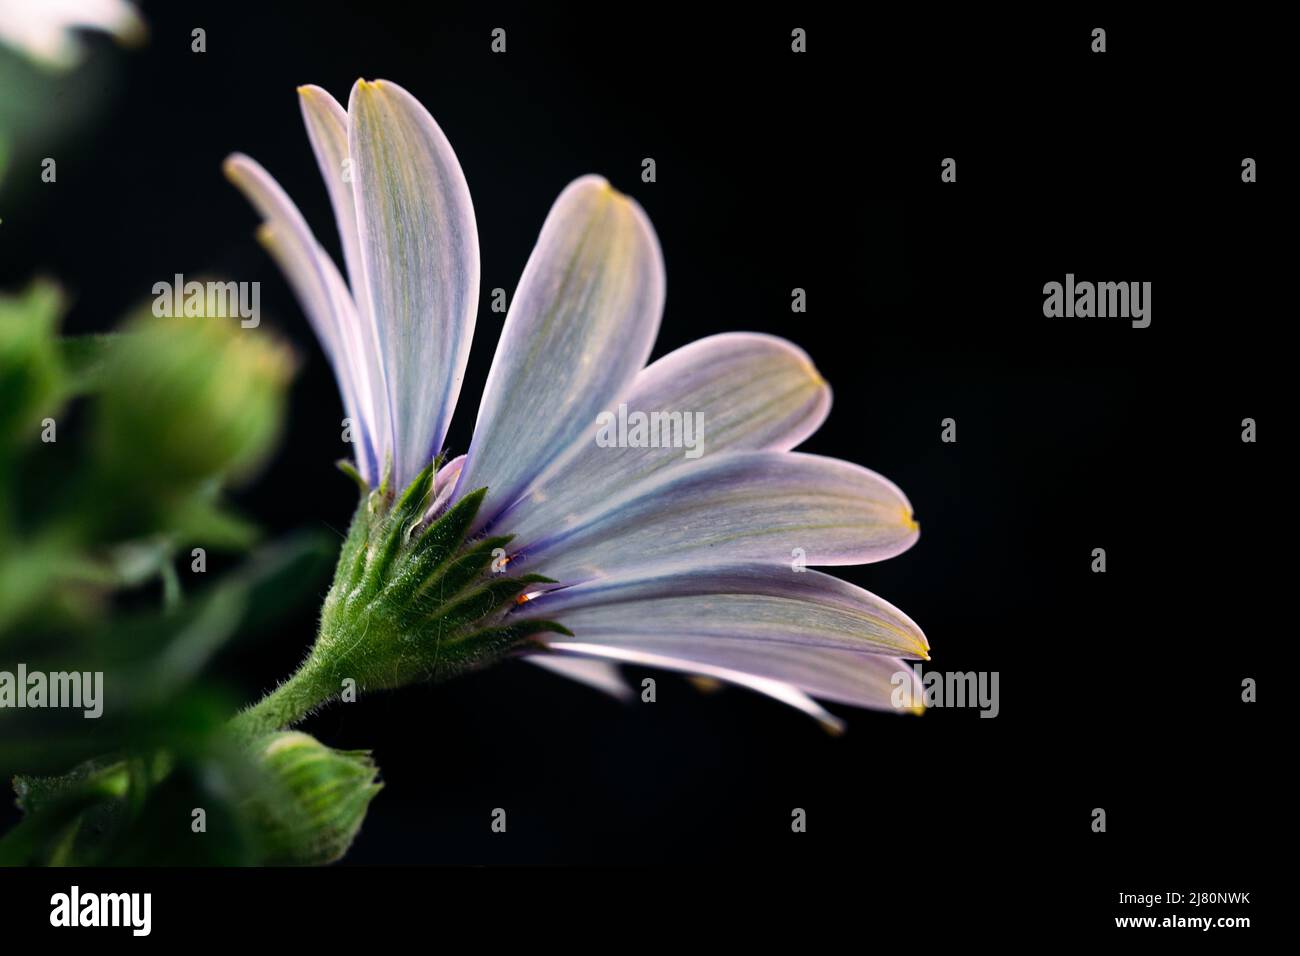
[(312, 800), (412, 600), (188, 399), (30, 372)]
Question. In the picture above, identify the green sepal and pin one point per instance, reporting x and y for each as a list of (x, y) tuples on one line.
[(442, 538), (428, 584), (412, 599), (480, 648), (349, 469), (392, 531), (482, 601)]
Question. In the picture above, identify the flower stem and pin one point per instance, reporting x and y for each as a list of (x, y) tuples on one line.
[(289, 703)]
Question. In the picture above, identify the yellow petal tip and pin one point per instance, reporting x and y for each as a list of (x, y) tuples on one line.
[(811, 370), (834, 728)]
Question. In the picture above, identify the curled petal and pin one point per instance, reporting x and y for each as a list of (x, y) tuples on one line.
[(444, 483)]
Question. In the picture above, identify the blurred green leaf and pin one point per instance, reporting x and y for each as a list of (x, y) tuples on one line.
[(85, 359), (153, 661), (31, 375), (189, 399)]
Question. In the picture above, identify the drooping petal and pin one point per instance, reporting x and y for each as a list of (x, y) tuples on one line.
[(873, 681), (581, 326), (748, 392), (602, 675), (776, 508), (778, 690), (733, 616), (419, 253), (320, 291)]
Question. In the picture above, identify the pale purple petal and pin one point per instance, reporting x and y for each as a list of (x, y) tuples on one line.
[(778, 690), (327, 129), (778, 508), (580, 327), (320, 291), (601, 675), (873, 681), (721, 615), (747, 391), (420, 260), (444, 483)]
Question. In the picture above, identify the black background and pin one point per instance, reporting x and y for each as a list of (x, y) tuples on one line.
[(821, 171)]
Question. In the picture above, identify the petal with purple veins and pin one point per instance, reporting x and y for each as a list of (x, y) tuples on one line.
[(327, 129), (419, 254), (322, 294), (732, 614), (580, 327), (775, 508), (778, 690), (750, 392)]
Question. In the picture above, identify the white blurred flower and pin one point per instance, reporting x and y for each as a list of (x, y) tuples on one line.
[(45, 30)]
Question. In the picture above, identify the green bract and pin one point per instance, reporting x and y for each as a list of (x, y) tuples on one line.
[(413, 599)]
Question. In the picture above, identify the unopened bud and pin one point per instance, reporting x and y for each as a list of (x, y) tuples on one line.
[(312, 799)]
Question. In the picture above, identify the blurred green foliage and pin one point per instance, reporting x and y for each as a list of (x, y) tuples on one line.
[(115, 451)]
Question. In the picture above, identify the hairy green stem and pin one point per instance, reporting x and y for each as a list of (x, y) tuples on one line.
[(289, 703)]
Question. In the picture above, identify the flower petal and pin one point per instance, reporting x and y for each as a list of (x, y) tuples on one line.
[(736, 616), (327, 129), (444, 483), (320, 291), (581, 325), (602, 675), (751, 392), (419, 256), (786, 693), (775, 508)]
